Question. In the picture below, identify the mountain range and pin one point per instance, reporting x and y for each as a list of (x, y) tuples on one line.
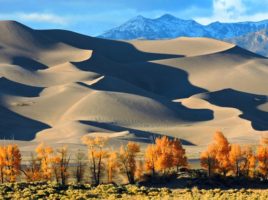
[(256, 42), (244, 34)]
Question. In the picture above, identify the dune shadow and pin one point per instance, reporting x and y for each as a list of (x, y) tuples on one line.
[(182, 112), (247, 103), (134, 72), (163, 80), (122, 60), (28, 63), (140, 136), (14, 88), (240, 51), (17, 127), (118, 51)]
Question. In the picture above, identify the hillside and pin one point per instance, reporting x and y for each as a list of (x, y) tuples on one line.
[(256, 41)]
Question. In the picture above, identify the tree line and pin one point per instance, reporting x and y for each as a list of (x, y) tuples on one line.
[(102, 163), (162, 158), (226, 159)]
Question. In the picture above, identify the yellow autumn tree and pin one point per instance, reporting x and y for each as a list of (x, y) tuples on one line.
[(222, 153), (32, 170), (96, 155), (236, 158), (150, 158), (44, 154), (139, 172), (128, 160), (55, 169), (12, 162), (112, 166), (178, 154), (60, 165), (79, 170), (249, 161), (216, 158), (2, 163), (164, 155), (208, 160), (262, 156)]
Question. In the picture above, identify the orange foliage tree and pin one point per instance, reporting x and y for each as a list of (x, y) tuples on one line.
[(249, 161), (96, 155), (216, 158), (128, 158), (112, 166), (178, 154), (242, 160), (150, 159), (12, 162), (222, 153), (139, 172), (2, 163), (236, 158), (262, 156), (208, 160), (222, 157), (44, 154), (32, 170), (79, 171), (164, 155), (60, 164)]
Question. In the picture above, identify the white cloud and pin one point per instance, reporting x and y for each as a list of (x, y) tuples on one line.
[(35, 17), (231, 11), (42, 17)]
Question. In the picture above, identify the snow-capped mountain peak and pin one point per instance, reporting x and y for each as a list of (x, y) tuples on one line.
[(169, 26), (166, 26)]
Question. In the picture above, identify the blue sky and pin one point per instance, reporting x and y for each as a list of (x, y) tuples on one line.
[(93, 17)]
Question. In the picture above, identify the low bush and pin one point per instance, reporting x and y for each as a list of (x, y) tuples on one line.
[(49, 190)]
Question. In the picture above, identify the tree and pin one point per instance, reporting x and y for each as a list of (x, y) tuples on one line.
[(55, 169), (150, 158), (127, 160), (112, 166), (96, 154), (80, 167), (208, 160), (12, 162), (139, 172), (222, 153), (2, 163), (44, 154), (249, 161), (236, 159), (178, 153), (60, 164), (262, 156), (164, 154), (32, 171), (216, 157)]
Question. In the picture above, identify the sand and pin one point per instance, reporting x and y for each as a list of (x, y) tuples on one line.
[(57, 86)]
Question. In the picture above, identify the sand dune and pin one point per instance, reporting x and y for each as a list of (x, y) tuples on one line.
[(57, 86), (183, 46)]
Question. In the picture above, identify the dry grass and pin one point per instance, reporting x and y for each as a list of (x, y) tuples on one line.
[(86, 191)]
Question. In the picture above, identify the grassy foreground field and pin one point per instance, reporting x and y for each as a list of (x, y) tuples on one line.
[(43, 190)]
